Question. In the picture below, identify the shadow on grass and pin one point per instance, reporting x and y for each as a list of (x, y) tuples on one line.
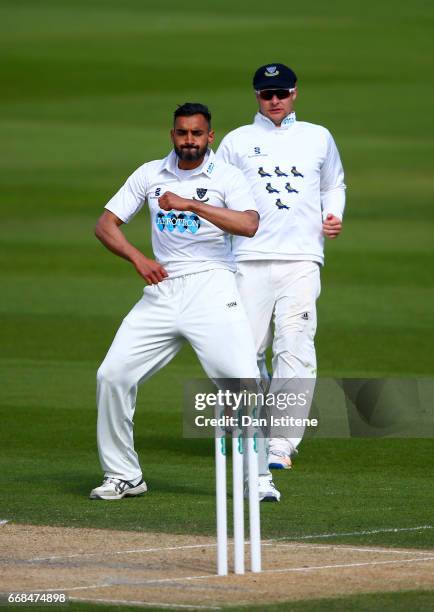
[(175, 445), (200, 487)]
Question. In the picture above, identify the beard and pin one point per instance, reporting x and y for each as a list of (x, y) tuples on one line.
[(191, 153)]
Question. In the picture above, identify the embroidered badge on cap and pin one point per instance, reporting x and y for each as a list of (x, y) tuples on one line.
[(271, 71)]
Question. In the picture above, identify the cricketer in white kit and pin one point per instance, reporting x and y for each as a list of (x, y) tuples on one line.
[(296, 176), (191, 295)]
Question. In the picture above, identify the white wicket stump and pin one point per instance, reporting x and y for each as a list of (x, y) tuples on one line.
[(221, 503), (254, 512), (238, 450), (238, 499)]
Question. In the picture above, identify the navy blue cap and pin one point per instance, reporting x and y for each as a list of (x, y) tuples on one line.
[(274, 76)]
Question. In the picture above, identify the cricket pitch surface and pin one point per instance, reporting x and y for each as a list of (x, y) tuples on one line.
[(178, 571)]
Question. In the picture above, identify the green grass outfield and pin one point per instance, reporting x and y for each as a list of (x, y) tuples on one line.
[(422, 601), (88, 89)]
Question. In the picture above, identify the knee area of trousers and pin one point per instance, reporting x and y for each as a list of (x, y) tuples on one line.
[(303, 324), (113, 375), (294, 343)]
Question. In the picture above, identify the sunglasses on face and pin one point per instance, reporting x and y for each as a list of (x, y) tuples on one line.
[(268, 94)]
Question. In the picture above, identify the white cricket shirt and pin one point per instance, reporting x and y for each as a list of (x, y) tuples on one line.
[(183, 242), (296, 176)]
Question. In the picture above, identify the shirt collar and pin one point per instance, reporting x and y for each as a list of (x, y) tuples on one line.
[(170, 163), (266, 123)]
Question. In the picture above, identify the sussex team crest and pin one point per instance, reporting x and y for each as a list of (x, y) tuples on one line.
[(201, 193), (271, 71)]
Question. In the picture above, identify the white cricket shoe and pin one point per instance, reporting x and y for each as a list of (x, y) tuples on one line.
[(115, 488), (267, 490)]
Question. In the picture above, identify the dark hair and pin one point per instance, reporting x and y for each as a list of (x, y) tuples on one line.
[(192, 108)]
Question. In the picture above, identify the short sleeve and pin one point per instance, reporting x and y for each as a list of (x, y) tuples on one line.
[(224, 151), (127, 202)]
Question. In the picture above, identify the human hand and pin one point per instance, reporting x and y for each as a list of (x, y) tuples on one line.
[(332, 226), (150, 270), (171, 201)]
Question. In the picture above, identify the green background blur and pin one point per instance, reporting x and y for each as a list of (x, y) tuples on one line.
[(88, 89), (88, 93)]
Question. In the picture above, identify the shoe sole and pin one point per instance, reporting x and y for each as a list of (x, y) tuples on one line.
[(269, 499), (279, 466), (140, 490)]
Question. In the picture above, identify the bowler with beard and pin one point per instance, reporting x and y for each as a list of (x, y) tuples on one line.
[(195, 203)]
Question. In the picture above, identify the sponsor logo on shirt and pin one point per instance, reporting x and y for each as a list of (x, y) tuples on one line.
[(182, 222), (231, 304), (257, 153), (158, 192), (289, 120)]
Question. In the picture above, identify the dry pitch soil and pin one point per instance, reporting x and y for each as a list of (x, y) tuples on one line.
[(174, 570)]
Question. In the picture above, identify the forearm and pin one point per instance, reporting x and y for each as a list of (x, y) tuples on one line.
[(239, 223), (108, 231), (114, 240)]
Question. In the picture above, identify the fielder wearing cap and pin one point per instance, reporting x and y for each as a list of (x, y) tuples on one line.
[(297, 180), (195, 202)]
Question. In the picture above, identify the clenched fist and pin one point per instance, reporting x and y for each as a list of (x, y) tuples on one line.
[(171, 201), (332, 226)]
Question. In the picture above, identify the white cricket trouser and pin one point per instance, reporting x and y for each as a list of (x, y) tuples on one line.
[(284, 293), (203, 308)]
